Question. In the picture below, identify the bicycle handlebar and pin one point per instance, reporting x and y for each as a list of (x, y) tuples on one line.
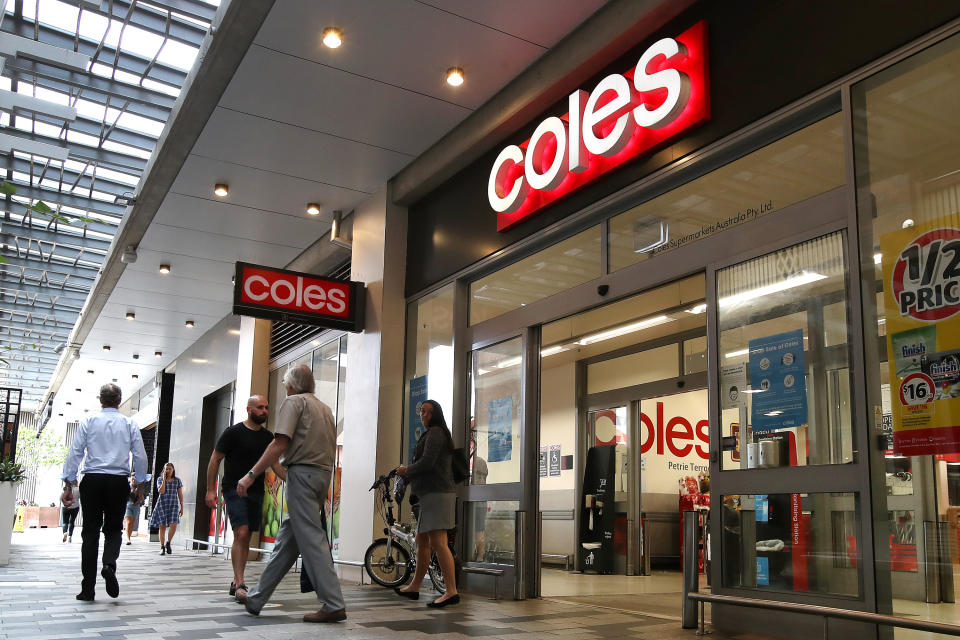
[(383, 479)]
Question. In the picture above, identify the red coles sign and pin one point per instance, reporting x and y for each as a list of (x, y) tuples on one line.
[(278, 294), (624, 116)]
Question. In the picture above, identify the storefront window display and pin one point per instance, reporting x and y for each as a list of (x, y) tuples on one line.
[(906, 141), (497, 411), (790, 170), (784, 390), (429, 363)]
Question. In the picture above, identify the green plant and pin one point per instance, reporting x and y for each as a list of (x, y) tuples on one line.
[(11, 471), (43, 450)]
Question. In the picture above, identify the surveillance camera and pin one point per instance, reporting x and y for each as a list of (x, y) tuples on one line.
[(136, 356), (129, 255), (603, 289)]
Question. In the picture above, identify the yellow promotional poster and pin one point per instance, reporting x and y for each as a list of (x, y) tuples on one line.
[(18, 523), (921, 292)]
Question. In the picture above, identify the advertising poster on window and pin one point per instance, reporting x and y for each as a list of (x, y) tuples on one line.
[(921, 293), (778, 382), (501, 429), (274, 509), (418, 393)]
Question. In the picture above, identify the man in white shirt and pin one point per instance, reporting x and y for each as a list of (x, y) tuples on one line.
[(104, 443)]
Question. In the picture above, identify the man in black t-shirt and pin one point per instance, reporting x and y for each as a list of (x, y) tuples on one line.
[(240, 447)]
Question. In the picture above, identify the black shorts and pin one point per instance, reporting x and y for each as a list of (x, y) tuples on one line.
[(243, 511)]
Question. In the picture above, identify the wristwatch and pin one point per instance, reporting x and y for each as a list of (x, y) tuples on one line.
[(252, 474)]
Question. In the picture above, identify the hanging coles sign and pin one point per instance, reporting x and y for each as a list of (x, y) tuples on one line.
[(290, 296), (624, 116)]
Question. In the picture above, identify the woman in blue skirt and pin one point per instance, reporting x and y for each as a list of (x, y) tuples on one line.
[(169, 507)]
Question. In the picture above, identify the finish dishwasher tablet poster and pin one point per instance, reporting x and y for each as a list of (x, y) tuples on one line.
[(921, 293)]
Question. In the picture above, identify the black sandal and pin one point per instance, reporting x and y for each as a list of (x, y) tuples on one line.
[(233, 588)]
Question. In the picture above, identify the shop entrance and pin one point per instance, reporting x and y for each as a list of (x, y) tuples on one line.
[(623, 446)]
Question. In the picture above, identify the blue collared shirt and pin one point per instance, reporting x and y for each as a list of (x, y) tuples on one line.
[(108, 439)]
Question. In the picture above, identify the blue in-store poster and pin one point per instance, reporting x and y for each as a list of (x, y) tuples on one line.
[(418, 393), (761, 506), (763, 571), (501, 430), (778, 380)]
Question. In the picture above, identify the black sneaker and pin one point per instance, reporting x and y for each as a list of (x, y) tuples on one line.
[(163, 550), (85, 596), (169, 550), (110, 578)]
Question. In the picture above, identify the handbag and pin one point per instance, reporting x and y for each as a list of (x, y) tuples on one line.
[(459, 465)]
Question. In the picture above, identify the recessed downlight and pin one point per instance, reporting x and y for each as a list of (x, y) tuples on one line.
[(164, 268), (131, 315), (90, 371), (157, 354), (221, 190), (106, 347), (79, 390), (134, 376), (189, 324), (68, 403), (455, 76), (332, 37), (313, 209)]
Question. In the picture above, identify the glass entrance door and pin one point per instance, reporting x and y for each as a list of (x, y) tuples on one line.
[(607, 512)]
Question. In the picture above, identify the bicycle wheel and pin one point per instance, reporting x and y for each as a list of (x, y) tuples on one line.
[(387, 570), (436, 576)]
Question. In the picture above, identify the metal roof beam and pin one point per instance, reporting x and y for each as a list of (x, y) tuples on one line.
[(69, 200), (60, 313), (39, 316), (16, 298), (59, 235), (81, 152), (29, 355), (152, 21), (144, 101), (35, 262), (51, 332), (66, 176), (54, 253), (12, 288), (47, 273), (128, 62), (69, 230)]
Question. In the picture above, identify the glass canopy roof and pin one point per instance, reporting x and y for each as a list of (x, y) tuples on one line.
[(86, 89)]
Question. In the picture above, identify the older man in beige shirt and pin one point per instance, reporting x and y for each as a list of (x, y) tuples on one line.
[(306, 437)]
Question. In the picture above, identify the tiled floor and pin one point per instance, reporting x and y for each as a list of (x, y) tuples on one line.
[(183, 596)]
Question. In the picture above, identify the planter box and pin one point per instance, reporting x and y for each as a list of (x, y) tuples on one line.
[(49, 517), (31, 517), (8, 494)]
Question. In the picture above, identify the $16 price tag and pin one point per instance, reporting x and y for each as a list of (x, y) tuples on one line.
[(916, 388)]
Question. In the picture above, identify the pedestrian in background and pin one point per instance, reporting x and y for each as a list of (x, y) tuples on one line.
[(169, 508), (133, 509), (68, 516), (105, 443)]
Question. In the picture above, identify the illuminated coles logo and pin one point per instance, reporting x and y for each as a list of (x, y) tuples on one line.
[(624, 116), (675, 435), (299, 293), (926, 277)]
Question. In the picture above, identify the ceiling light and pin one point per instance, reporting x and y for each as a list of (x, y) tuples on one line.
[(79, 390), (332, 37), (106, 347), (131, 315), (454, 76), (221, 190), (134, 376), (697, 309), (555, 349), (89, 370), (804, 277), (199, 360), (68, 403), (877, 258), (164, 268), (313, 209), (189, 324), (620, 331), (157, 354), (906, 224)]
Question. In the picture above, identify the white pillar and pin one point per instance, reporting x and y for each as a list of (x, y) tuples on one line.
[(374, 385)]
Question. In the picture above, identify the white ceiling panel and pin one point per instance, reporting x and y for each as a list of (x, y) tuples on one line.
[(222, 218), (221, 247), (542, 22), (295, 151), (339, 103), (215, 272), (263, 190), (195, 295)]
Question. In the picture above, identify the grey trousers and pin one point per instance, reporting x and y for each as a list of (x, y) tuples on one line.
[(301, 534)]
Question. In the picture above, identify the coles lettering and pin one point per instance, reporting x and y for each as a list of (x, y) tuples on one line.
[(625, 115)]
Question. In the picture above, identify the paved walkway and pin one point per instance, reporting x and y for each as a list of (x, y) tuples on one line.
[(184, 596)]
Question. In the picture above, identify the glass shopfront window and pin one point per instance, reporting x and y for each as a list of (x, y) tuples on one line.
[(557, 268), (429, 364), (791, 542), (790, 170), (784, 389), (496, 412), (907, 152)]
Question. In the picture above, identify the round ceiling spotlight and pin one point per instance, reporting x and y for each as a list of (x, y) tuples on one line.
[(131, 315), (164, 268), (313, 209), (106, 347), (90, 371), (221, 190), (332, 37), (189, 324), (79, 390), (134, 376), (906, 224), (455, 76), (157, 354)]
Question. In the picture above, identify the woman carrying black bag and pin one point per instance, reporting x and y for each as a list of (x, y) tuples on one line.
[(431, 480)]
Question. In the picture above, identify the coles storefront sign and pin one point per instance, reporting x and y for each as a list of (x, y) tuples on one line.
[(278, 294), (624, 116)]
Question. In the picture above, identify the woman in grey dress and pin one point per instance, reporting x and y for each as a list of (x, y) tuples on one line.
[(430, 475)]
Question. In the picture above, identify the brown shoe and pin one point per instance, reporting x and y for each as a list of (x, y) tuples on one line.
[(326, 616)]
